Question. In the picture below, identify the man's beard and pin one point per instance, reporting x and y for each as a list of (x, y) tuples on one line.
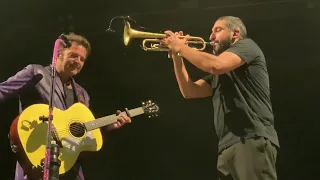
[(222, 46)]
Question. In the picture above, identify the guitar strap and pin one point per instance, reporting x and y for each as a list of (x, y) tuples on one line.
[(79, 93)]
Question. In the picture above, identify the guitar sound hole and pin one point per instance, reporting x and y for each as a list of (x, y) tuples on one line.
[(77, 129)]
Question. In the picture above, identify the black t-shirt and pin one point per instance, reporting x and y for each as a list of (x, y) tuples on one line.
[(70, 96), (241, 98)]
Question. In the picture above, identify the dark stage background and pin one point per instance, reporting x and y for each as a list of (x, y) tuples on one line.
[(180, 143)]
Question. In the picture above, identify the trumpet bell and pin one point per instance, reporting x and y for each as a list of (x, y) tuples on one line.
[(127, 33), (126, 37)]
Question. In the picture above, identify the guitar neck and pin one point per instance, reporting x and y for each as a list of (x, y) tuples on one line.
[(107, 120)]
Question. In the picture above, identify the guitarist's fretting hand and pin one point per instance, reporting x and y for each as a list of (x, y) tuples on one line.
[(122, 119)]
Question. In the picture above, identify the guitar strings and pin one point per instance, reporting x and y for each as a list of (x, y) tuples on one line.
[(71, 130)]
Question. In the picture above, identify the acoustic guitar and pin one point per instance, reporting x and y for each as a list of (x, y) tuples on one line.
[(76, 129)]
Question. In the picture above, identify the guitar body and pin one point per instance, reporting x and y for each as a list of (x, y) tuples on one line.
[(29, 134)]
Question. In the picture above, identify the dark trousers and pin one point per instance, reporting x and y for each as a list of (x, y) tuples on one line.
[(251, 159)]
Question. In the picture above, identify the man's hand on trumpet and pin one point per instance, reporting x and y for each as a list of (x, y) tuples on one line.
[(174, 42)]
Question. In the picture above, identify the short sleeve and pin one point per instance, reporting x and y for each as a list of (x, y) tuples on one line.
[(246, 49), (208, 79)]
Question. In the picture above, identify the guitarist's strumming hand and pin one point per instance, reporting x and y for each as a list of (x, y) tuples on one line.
[(122, 119)]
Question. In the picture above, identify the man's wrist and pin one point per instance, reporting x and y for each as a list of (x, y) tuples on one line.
[(181, 49)]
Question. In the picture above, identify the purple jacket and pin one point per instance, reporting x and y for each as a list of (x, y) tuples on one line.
[(32, 85)]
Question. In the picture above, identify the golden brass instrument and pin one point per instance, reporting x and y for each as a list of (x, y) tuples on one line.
[(155, 39)]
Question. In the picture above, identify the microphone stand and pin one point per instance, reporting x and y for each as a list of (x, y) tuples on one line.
[(51, 162)]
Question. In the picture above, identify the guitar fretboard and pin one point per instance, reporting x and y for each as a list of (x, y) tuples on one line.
[(104, 121)]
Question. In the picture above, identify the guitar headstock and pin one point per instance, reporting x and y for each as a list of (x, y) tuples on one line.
[(150, 108)]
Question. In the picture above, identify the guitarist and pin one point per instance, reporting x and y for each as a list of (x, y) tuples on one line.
[(32, 85)]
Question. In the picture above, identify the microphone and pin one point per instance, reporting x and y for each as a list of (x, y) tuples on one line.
[(128, 17), (118, 17), (65, 40)]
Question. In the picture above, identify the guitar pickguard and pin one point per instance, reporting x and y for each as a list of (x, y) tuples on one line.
[(72, 144)]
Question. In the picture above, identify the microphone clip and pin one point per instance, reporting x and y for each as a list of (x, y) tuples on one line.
[(110, 30), (66, 41)]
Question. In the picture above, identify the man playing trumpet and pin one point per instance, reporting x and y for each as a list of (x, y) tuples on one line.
[(238, 82)]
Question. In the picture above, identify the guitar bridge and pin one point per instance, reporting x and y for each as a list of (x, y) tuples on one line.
[(44, 118)]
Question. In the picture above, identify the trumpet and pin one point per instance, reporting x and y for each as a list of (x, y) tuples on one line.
[(154, 39)]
